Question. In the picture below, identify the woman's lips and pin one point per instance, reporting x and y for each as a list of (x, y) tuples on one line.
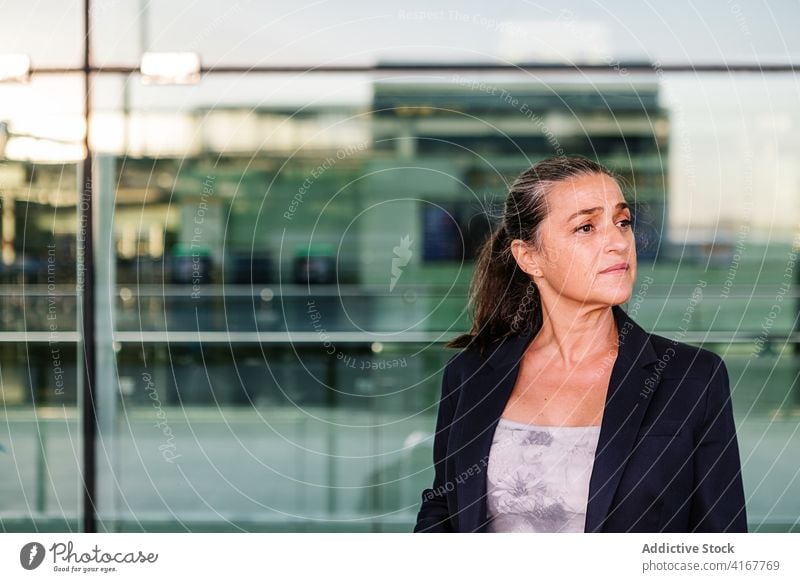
[(616, 269)]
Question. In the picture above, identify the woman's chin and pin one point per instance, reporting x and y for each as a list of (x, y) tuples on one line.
[(617, 297)]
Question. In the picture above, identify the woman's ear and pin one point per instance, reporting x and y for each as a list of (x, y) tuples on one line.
[(526, 257)]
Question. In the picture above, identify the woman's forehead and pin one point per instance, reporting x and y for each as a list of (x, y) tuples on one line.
[(585, 192)]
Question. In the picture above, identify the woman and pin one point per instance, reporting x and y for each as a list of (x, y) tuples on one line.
[(562, 414)]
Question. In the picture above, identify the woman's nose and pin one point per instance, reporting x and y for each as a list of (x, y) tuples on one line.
[(617, 238)]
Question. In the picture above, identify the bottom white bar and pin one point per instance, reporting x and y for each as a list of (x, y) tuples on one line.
[(346, 556)]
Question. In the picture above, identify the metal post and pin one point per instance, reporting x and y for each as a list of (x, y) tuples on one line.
[(86, 289)]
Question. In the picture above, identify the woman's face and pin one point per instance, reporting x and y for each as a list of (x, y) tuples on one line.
[(587, 230)]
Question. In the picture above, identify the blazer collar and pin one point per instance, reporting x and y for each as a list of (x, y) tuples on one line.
[(484, 397)]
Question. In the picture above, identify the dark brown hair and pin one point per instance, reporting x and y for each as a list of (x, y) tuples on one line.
[(503, 298)]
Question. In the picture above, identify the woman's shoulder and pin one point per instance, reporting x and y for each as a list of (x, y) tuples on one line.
[(473, 360), (462, 361), (683, 359), (466, 361)]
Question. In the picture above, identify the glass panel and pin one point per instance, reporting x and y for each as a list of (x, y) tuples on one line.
[(363, 33), (224, 437), (40, 443), (280, 257), (50, 32), (287, 266)]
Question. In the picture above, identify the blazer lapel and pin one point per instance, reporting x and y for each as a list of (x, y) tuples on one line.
[(483, 399), (622, 417)]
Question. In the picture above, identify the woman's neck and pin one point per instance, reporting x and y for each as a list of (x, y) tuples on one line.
[(574, 337)]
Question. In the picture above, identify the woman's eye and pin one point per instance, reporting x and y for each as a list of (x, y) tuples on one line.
[(585, 227)]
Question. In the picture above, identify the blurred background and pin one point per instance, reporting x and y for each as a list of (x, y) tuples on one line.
[(285, 200)]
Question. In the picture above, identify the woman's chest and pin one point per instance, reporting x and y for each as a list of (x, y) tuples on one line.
[(559, 397)]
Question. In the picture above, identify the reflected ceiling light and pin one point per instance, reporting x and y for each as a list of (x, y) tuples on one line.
[(15, 145), (15, 68), (170, 68)]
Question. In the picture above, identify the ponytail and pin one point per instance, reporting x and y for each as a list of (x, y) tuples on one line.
[(504, 300)]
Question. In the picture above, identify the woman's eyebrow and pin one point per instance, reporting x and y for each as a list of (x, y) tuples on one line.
[(620, 206)]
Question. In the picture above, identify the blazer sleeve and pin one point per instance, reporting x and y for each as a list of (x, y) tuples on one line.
[(718, 503), (434, 515)]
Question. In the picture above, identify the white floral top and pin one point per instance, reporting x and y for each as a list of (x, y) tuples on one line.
[(538, 477)]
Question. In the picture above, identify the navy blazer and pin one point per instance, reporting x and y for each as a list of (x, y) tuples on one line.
[(667, 459)]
